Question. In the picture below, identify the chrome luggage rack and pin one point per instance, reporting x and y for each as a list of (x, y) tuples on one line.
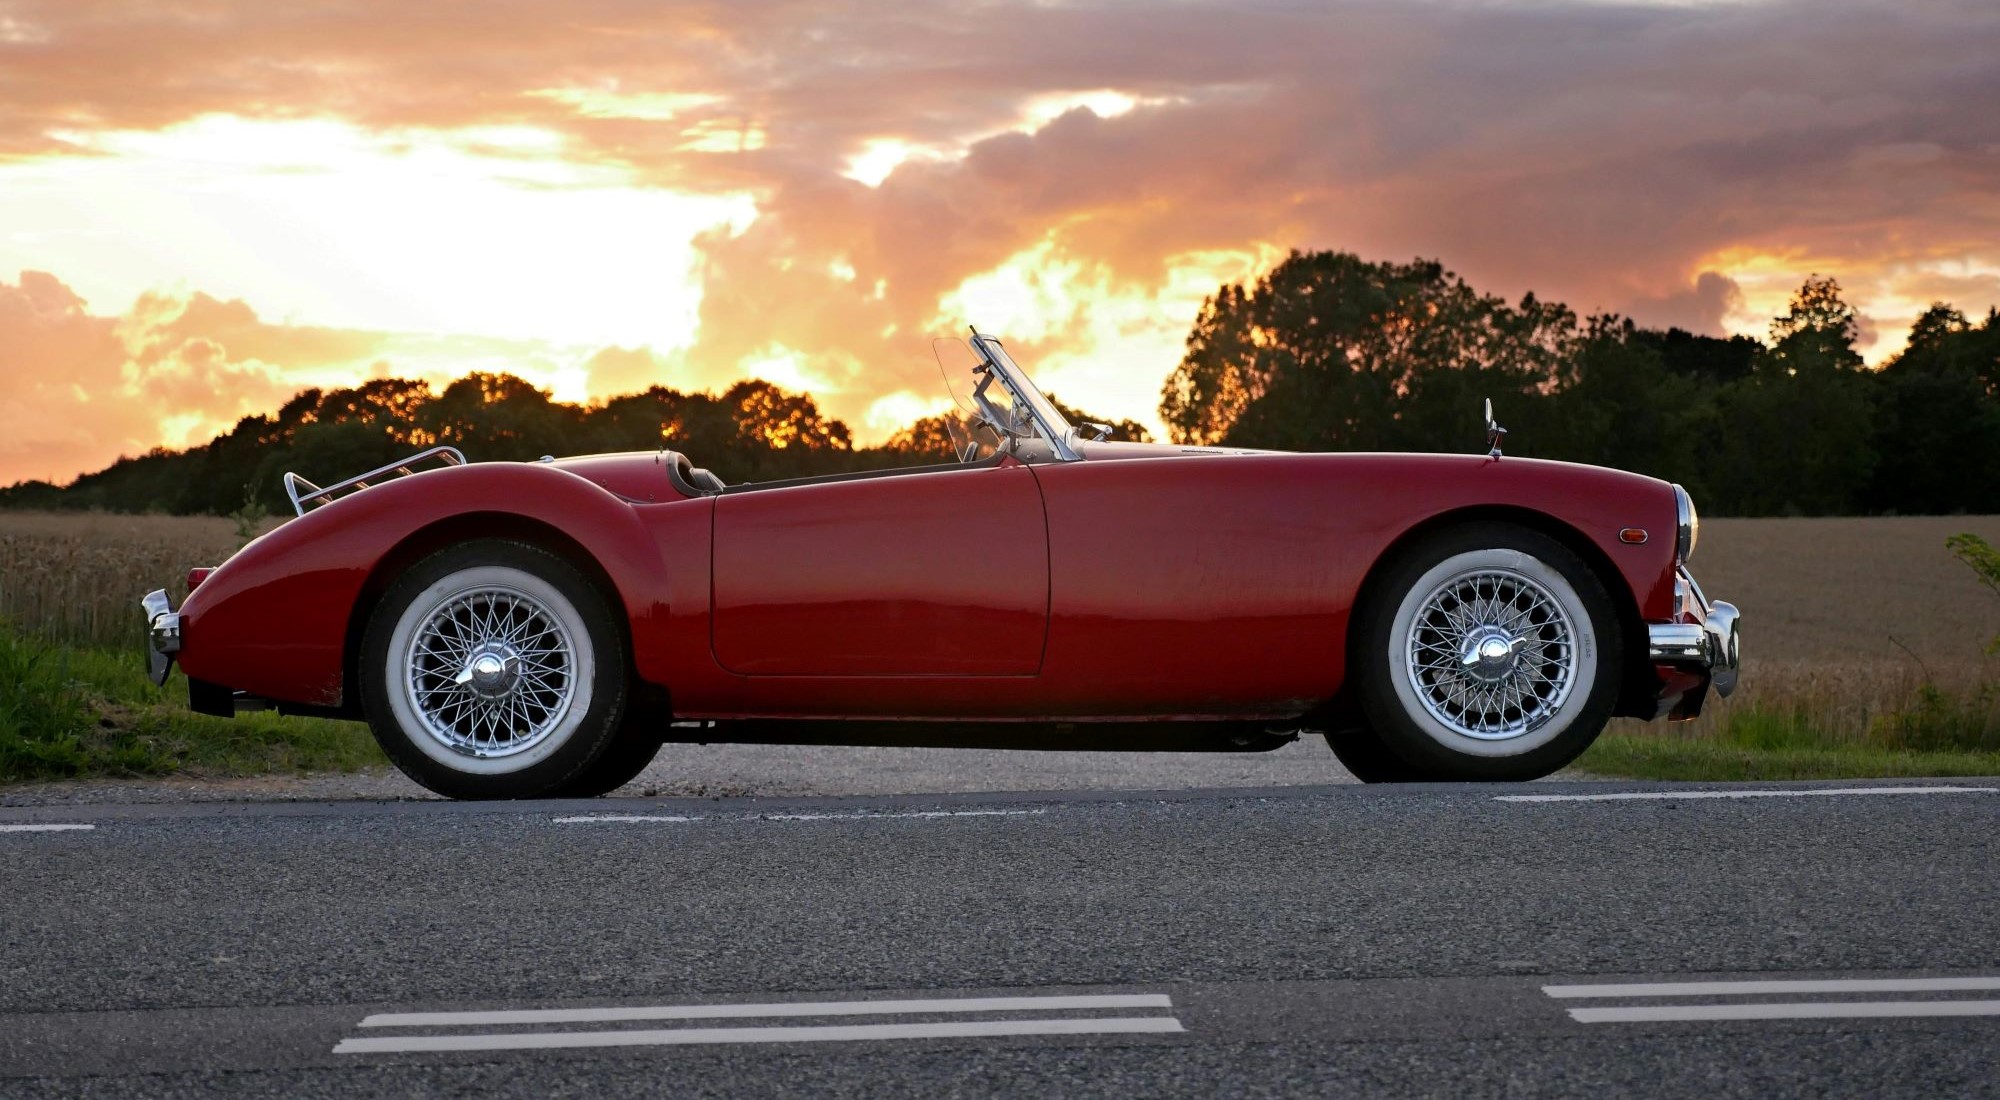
[(305, 495)]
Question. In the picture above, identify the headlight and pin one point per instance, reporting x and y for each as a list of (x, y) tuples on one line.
[(1688, 531)]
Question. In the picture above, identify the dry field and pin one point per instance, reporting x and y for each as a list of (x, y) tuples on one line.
[(77, 578), (1843, 618)]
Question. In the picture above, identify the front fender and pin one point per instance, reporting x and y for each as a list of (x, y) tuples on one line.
[(274, 619)]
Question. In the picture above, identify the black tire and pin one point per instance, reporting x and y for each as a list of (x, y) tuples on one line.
[(1417, 690), (557, 691), (621, 763), (1367, 759)]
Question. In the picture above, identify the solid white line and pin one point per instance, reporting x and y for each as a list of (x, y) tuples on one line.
[(783, 1008), (51, 828), (1624, 796), (1820, 1010), (1798, 985), (619, 819), (623, 819), (957, 1029), (910, 813)]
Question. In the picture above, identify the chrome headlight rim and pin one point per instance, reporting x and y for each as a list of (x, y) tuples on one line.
[(1687, 529)]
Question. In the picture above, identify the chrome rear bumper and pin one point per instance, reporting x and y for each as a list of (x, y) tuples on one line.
[(163, 634), (1711, 643)]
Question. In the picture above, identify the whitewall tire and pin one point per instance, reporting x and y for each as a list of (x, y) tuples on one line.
[(493, 669), (1487, 651)]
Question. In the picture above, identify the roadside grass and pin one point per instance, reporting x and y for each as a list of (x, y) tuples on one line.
[(1915, 729), (1639, 756), (86, 713)]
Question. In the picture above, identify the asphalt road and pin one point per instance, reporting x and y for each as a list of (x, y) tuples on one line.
[(1337, 940)]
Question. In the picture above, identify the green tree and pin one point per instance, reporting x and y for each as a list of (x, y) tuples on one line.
[(1126, 430), (1328, 351), (1797, 436), (1937, 419), (1985, 562)]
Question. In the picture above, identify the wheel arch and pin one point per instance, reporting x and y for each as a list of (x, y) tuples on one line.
[(469, 526), (1637, 689)]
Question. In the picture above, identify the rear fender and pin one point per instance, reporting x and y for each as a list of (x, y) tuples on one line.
[(279, 618)]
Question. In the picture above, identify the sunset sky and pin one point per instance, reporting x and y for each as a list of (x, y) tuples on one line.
[(206, 206)]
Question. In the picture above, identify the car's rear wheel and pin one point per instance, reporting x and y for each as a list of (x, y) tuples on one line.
[(1366, 758), (1486, 652), (493, 669), (621, 763)]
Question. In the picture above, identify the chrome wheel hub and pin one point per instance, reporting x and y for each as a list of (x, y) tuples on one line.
[(491, 672), (1492, 654), (1488, 655)]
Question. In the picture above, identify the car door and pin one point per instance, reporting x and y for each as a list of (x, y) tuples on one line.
[(940, 571)]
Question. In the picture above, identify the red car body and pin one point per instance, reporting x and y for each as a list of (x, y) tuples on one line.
[(1139, 583)]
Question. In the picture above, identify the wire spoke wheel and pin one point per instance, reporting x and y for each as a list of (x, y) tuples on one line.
[(494, 669), (1492, 654), (490, 672)]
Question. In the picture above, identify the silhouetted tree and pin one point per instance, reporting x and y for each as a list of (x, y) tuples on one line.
[(1330, 351)]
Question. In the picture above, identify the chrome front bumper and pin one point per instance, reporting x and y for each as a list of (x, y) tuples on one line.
[(163, 634), (1711, 643)]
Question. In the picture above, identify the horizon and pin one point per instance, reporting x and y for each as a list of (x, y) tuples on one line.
[(208, 211)]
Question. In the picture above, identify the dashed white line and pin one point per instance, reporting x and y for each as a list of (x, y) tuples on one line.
[(1774, 985), (1109, 1025), (777, 1009), (1626, 796), (1816, 1010), (51, 827)]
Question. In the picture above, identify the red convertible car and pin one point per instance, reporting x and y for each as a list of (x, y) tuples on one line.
[(528, 629)]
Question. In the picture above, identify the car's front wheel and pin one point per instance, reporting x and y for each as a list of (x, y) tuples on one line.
[(1486, 652), (493, 669)]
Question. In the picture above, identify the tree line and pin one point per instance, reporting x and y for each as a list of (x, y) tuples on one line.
[(1326, 352), (753, 431), (1329, 352)]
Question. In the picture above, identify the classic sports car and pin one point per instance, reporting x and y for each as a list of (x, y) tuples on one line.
[(525, 629)]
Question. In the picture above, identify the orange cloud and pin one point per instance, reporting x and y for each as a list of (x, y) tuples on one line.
[(1683, 163)]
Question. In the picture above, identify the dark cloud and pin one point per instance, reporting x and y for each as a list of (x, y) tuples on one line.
[(1699, 308)]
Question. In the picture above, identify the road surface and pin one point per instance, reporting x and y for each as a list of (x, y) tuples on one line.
[(1544, 939)]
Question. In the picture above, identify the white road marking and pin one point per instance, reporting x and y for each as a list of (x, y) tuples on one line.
[(1625, 796), (625, 819), (53, 827), (910, 813), (1786, 985), (782, 1008), (1818, 1010), (619, 819), (956, 1029)]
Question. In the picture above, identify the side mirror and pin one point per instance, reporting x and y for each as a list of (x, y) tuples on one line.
[(1103, 430)]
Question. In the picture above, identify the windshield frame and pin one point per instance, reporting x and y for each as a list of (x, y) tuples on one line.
[(1054, 428)]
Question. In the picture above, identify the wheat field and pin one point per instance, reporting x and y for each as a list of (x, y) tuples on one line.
[(77, 578), (1842, 618)]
